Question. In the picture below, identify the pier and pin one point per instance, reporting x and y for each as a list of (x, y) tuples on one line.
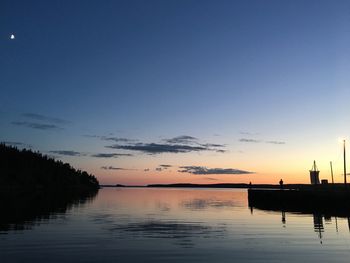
[(328, 199)]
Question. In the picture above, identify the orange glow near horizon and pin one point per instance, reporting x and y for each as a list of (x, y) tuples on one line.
[(268, 164)]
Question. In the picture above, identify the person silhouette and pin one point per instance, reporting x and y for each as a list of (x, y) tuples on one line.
[(281, 184)]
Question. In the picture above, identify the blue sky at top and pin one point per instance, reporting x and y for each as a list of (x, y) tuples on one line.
[(150, 70)]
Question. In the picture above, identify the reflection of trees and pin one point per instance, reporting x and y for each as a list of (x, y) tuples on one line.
[(22, 210)]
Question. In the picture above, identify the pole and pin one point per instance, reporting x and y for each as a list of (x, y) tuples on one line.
[(344, 164), (332, 173), (314, 166)]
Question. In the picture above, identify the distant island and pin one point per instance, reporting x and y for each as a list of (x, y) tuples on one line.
[(230, 185), (224, 185), (33, 170)]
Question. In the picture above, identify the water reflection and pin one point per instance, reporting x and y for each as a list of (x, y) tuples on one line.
[(333, 209), (22, 210), (161, 214), (319, 215), (181, 233), (318, 225), (203, 204), (175, 225)]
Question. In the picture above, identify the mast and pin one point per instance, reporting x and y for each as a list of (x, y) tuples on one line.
[(344, 164), (332, 172), (315, 169)]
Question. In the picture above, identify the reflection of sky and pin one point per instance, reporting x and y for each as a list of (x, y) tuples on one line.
[(269, 80), (203, 204), (132, 225)]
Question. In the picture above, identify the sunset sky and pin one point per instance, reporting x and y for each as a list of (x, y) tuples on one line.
[(140, 92)]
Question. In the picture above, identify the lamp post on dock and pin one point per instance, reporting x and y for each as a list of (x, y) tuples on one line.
[(332, 172), (344, 164)]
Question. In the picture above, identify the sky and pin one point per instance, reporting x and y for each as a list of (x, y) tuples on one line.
[(141, 92)]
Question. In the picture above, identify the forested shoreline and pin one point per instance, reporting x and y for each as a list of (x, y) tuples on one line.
[(28, 169)]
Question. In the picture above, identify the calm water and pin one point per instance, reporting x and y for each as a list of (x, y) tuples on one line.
[(173, 225)]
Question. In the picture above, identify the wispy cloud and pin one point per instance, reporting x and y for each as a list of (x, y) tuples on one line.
[(249, 133), (91, 136), (112, 168), (157, 148), (276, 142), (38, 126), (110, 155), (201, 170), (214, 145), (111, 138), (211, 178), (179, 144), (117, 139), (190, 140), (40, 117), (249, 140), (165, 166), (18, 144), (183, 139), (68, 153)]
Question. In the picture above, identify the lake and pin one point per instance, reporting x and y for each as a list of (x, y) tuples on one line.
[(170, 225)]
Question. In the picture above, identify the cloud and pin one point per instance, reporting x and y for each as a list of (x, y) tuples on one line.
[(259, 141), (156, 148), (112, 168), (179, 144), (276, 142), (204, 170), (165, 166), (19, 144), (68, 153), (211, 179), (111, 138), (249, 140), (110, 155), (212, 145), (38, 126), (117, 139), (249, 133), (91, 136), (183, 139), (40, 117)]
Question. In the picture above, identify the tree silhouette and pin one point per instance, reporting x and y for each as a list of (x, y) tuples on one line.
[(25, 168)]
